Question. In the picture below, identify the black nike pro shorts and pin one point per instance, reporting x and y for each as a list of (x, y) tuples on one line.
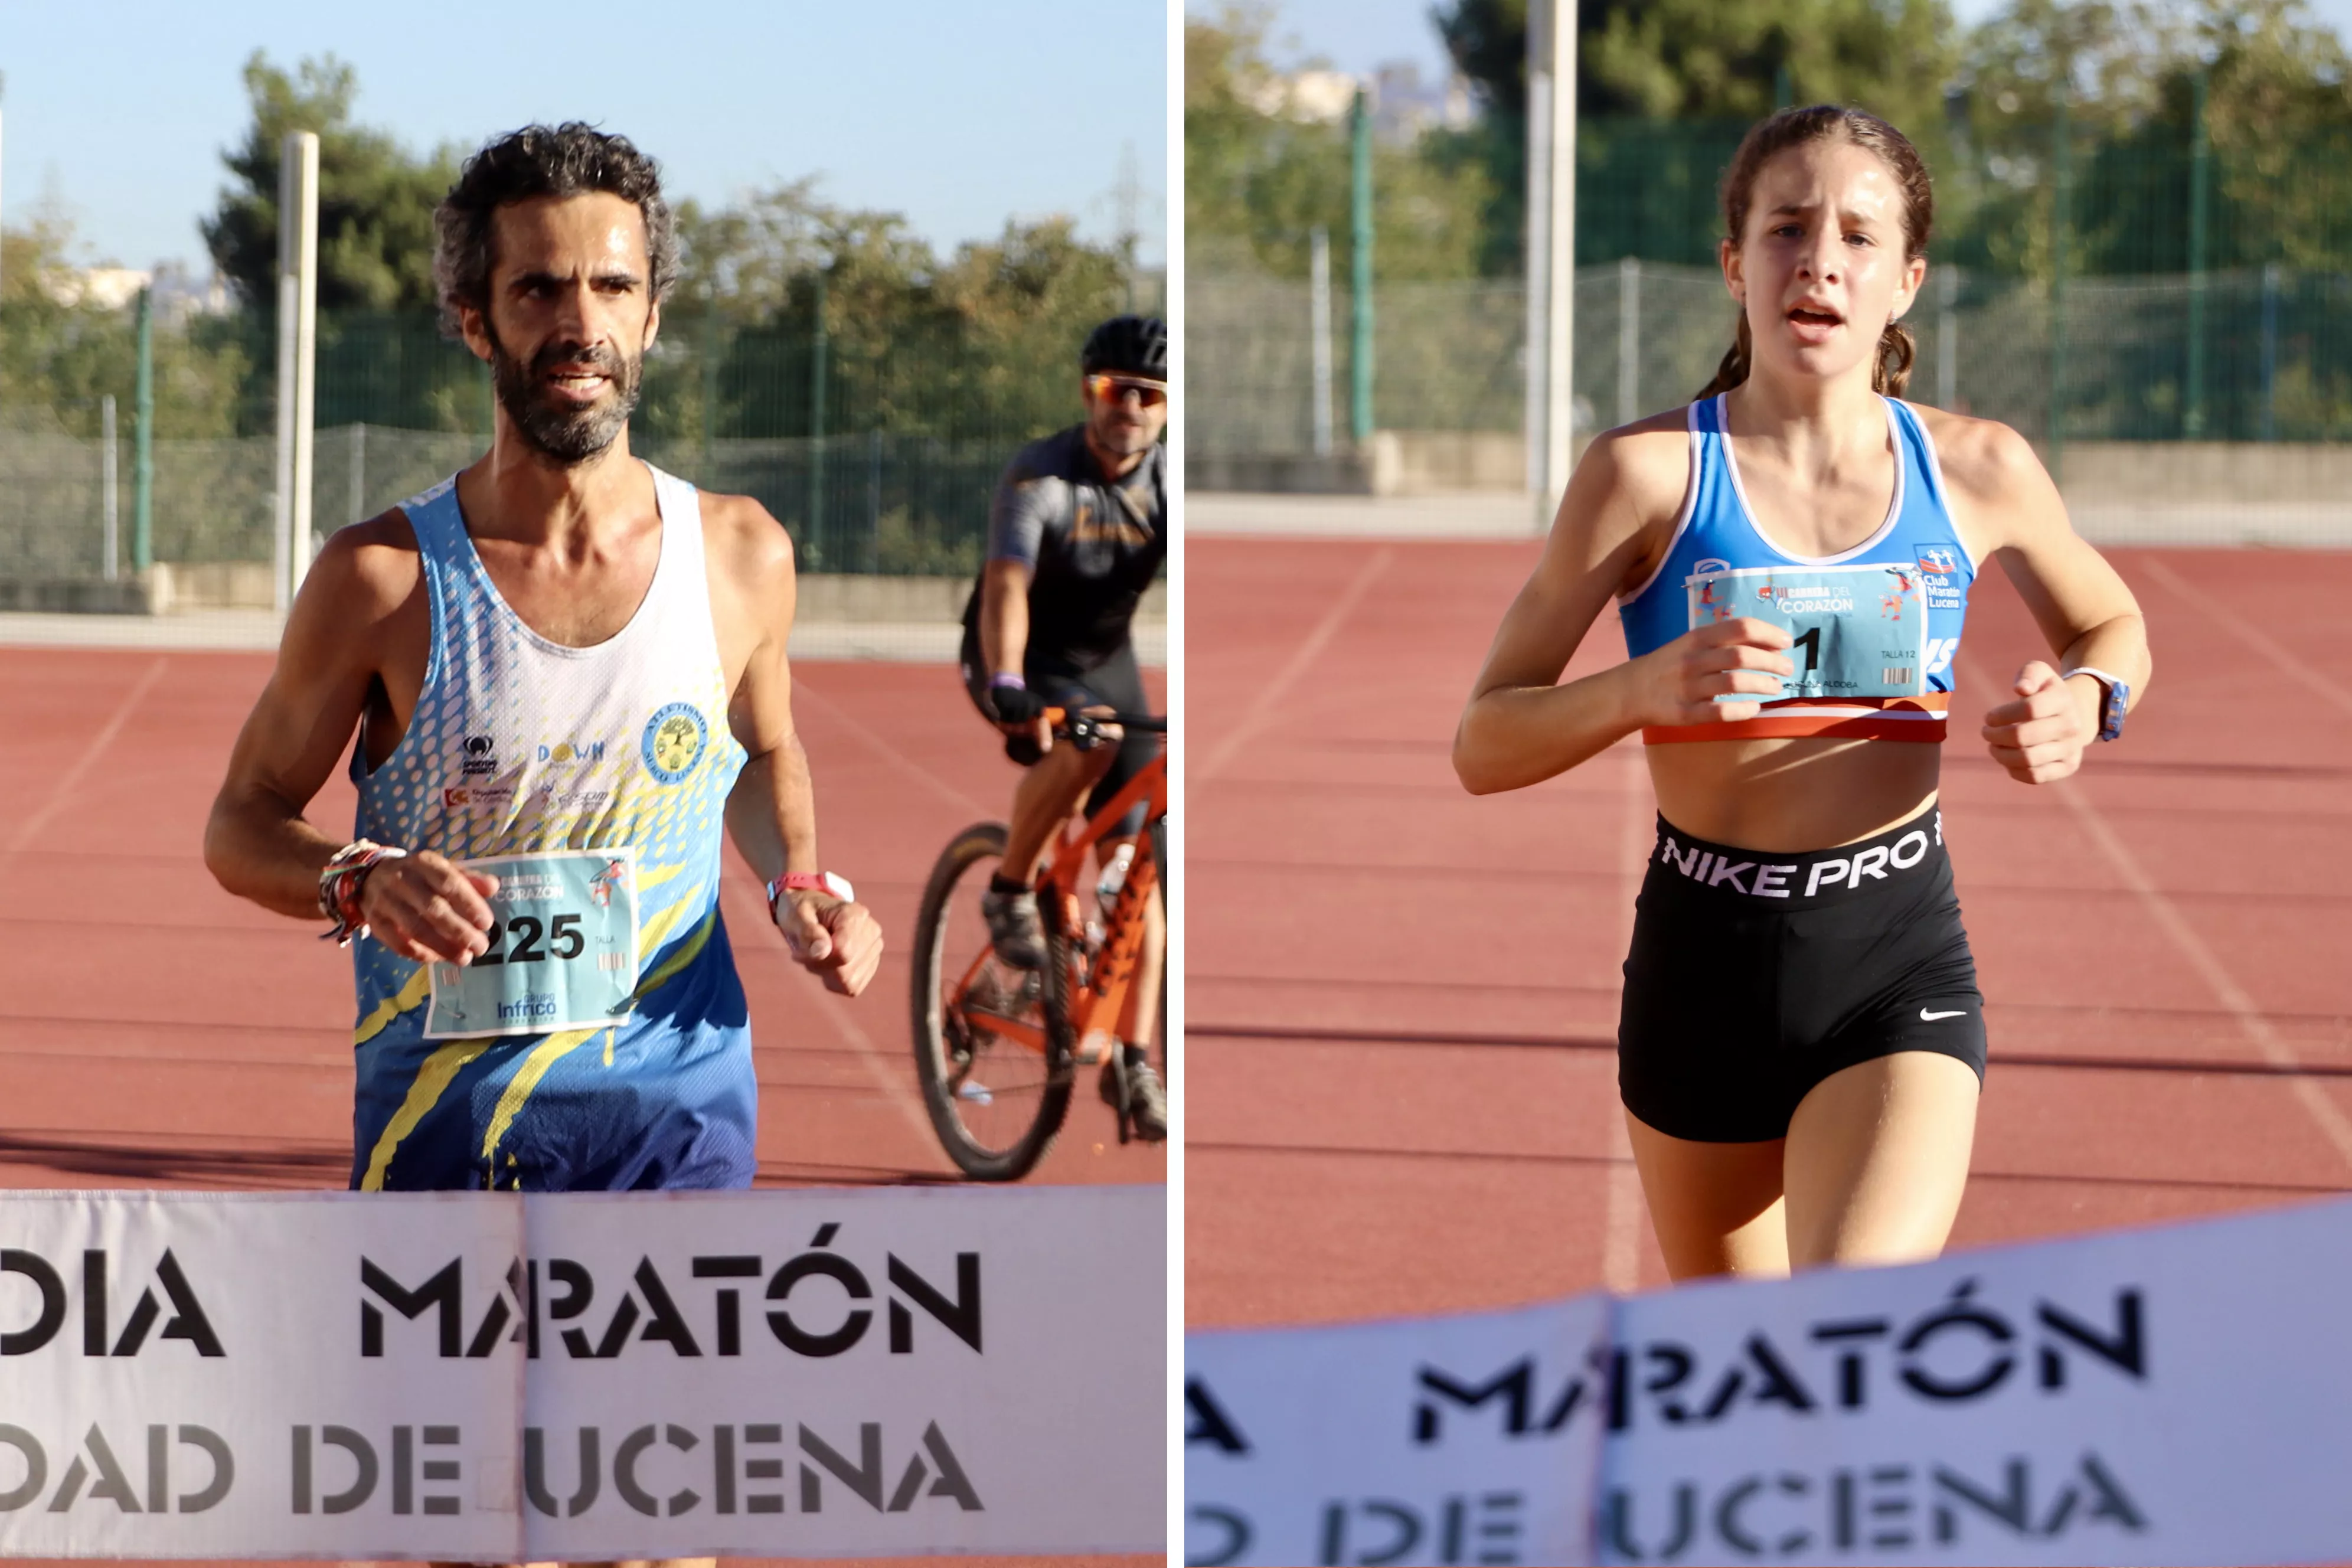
[(1754, 976)]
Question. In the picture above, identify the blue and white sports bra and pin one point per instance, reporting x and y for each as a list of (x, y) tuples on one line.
[(1925, 570)]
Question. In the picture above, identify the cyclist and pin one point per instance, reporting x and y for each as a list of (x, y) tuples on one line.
[(1075, 534)]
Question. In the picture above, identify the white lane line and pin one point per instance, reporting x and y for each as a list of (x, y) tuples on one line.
[(881, 1066), (2252, 635), (1275, 692), (1627, 1212), (837, 714), (2333, 1123), (2235, 1001), (63, 791)]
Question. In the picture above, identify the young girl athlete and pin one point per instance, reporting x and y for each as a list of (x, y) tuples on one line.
[(1801, 1039)]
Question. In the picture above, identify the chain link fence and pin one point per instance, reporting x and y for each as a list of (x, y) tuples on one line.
[(2251, 354), (872, 503)]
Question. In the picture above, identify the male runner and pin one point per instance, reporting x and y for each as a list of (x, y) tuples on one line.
[(1076, 535), (565, 669)]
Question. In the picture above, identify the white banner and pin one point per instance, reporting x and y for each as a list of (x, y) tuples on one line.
[(2180, 1394), (500, 1378)]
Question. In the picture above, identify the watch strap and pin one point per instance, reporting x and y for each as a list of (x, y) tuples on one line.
[(826, 882), (2115, 700)]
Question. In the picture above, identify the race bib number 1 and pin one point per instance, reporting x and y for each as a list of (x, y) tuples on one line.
[(1860, 631), (562, 953)]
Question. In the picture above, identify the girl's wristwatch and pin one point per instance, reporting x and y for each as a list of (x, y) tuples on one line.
[(2113, 706), (810, 881)]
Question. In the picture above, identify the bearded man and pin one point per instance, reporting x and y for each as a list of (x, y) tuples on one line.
[(565, 670)]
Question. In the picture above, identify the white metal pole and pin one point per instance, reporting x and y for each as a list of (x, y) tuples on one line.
[(303, 147), (1629, 341), (1319, 306), (1559, 401), (358, 507), (281, 508), (1948, 341), (1552, 251), (109, 491), (1538, 254)]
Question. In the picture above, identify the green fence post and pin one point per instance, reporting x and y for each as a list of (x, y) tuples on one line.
[(709, 377), (817, 419), (1360, 344), (2269, 349), (2060, 215), (2192, 403), (143, 441)]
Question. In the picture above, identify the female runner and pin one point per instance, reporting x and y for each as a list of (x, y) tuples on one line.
[(1801, 1039)]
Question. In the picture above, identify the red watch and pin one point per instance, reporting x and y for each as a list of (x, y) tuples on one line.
[(810, 882)]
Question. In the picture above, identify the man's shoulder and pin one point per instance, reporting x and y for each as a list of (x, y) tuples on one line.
[(742, 534), (368, 568), (1060, 455)]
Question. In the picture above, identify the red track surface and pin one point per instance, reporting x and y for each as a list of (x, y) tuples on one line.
[(1402, 1001), (156, 1032)]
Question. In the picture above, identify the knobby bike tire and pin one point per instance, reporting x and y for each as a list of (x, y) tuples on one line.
[(981, 842)]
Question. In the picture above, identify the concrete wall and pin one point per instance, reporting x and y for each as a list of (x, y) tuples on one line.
[(2098, 473), (1396, 463), (825, 598), (2181, 472)]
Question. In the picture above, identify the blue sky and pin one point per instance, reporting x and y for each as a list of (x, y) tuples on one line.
[(1357, 35), (958, 115)]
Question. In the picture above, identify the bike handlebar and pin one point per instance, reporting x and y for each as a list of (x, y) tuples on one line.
[(1081, 727)]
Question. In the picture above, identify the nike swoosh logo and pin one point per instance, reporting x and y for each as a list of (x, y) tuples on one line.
[(1931, 1017)]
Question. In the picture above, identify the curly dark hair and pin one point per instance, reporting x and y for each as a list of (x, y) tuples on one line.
[(567, 160)]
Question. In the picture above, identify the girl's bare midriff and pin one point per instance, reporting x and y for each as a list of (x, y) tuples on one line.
[(1791, 794)]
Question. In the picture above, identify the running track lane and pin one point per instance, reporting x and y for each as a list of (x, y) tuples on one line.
[(1402, 1071), (155, 1032)]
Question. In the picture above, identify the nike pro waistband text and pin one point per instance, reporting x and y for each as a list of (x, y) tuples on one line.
[(1794, 880)]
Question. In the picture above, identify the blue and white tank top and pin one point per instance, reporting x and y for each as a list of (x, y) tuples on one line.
[(1927, 568), (598, 776)]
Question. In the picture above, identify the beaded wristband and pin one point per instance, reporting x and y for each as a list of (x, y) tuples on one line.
[(339, 887)]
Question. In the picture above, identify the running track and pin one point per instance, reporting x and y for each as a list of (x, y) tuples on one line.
[(155, 1032), (1401, 1001)]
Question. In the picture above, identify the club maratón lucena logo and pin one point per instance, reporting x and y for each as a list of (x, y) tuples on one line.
[(817, 1304), (1968, 1349), (674, 741)]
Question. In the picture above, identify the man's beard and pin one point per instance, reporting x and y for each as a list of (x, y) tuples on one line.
[(567, 436), (1126, 441)]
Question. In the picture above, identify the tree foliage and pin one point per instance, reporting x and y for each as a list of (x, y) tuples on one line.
[(57, 360), (375, 197), (1258, 179), (2278, 124)]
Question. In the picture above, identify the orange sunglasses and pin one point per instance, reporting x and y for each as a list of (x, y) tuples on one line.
[(1111, 388)]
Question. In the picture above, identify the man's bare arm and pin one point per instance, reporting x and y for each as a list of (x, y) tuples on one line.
[(1004, 615), (357, 602), (771, 810), (257, 842)]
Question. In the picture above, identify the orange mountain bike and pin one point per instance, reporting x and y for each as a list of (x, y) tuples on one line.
[(998, 1047)]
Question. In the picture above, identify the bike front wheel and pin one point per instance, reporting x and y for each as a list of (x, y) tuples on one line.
[(986, 1032)]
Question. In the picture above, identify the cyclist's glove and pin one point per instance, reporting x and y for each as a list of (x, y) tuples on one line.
[(1014, 704)]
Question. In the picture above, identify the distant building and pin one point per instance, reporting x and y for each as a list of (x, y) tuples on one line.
[(178, 294), (1404, 108)]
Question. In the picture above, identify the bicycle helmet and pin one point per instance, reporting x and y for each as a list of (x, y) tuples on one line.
[(1126, 345)]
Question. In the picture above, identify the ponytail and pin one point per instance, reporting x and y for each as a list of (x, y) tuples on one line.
[(1733, 368), (1896, 353)]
